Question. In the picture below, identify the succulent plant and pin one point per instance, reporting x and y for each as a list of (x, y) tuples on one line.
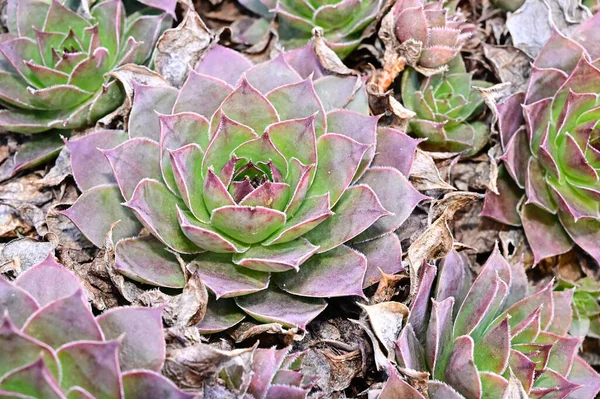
[(54, 60), (446, 106), (439, 29), (472, 338), (551, 150), (52, 346), (275, 374), (278, 174), (344, 22), (586, 310)]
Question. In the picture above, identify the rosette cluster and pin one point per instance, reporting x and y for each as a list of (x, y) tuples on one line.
[(440, 31), (344, 22), (446, 106), (54, 61), (551, 148), (272, 176), (472, 338), (53, 347)]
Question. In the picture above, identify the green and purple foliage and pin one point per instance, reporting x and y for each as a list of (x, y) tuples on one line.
[(344, 22), (586, 309), (52, 346), (54, 61), (551, 147), (276, 374), (440, 31), (471, 337), (446, 106), (273, 176)]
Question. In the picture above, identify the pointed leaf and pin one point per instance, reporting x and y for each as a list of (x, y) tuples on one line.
[(212, 90), (46, 325), (299, 100), (48, 281), (247, 224), (224, 278), (17, 302), (19, 350), (319, 276), (397, 195), (461, 372), (220, 315), (93, 224), (312, 212), (357, 209), (274, 305), (156, 207), (383, 254), (247, 106), (339, 158), (223, 63), (90, 166), (143, 344), (148, 102), (145, 259), (133, 161), (33, 380), (206, 237), (93, 366), (142, 384), (276, 258)]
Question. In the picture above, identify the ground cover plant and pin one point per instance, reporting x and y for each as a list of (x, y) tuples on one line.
[(299, 199)]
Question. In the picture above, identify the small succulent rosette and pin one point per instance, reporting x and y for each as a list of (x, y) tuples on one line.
[(446, 107), (53, 347), (440, 31), (473, 338), (54, 61), (344, 23), (276, 374), (272, 176), (551, 149), (586, 309)]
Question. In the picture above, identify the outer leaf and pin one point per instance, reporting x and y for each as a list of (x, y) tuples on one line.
[(320, 276), (143, 344), (276, 306)]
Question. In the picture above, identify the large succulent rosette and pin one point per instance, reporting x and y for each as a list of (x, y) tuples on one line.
[(54, 60), (446, 106), (471, 338), (344, 22), (53, 347), (273, 174), (440, 31), (551, 149)]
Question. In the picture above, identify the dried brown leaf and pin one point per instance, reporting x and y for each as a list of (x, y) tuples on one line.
[(179, 49), (386, 322), (424, 175), (192, 366)]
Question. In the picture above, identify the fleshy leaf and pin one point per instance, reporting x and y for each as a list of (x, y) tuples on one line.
[(224, 278), (46, 325), (276, 258), (320, 275), (274, 305), (144, 384), (220, 315), (92, 366), (145, 259), (93, 224), (143, 344), (246, 223), (357, 209), (156, 207), (48, 281)]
